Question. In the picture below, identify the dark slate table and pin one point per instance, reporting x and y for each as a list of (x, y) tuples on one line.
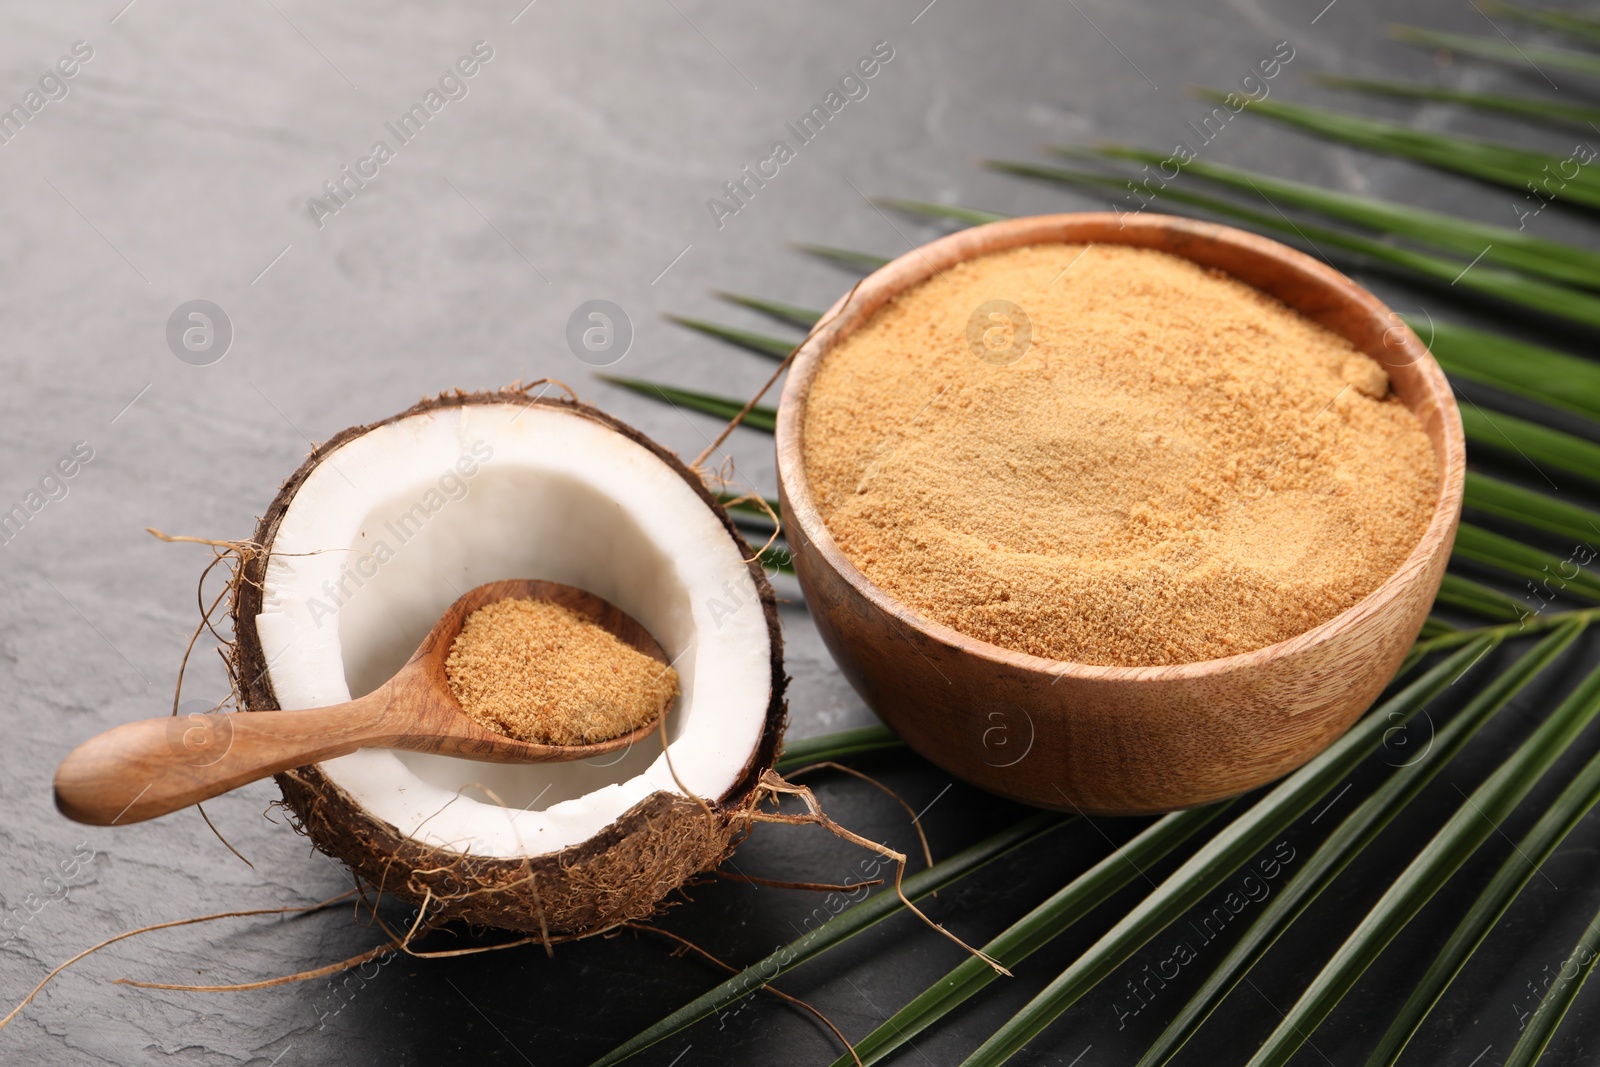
[(578, 165)]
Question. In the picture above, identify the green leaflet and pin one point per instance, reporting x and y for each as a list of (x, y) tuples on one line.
[(1553, 573), (865, 262), (1553, 1008), (1573, 23), (1538, 373), (1531, 508), (1540, 446), (834, 931), (1473, 822), (760, 418), (1466, 595), (1527, 107), (1568, 178), (1558, 820), (1353, 834), (759, 343), (1552, 299), (1033, 931), (1433, 626), (1222, 855), (1506, 51), (772, 309), (952, 212), (1488, 244)]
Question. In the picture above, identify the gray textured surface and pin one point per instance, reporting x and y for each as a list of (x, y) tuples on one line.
[(577, 168)]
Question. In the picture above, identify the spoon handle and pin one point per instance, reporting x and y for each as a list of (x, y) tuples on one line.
[(140, 770)]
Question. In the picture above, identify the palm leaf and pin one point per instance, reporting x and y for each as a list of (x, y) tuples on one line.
[(1557, 300), (1433, 626), (1357, 831), (1222, 855), (864, 262), (1485, 160), (1532, 442), (1573, 23), (1488, 244), (1504, 553), (952, 212), (1033, 931), (1505, 51), (1531, 508), (1535, 108), (1538, 373), (966, 215), (1501, 262), (1455, 843), (1553, 1007), (759, 343), (1559, 819), (839, 928), (772, 309), (723, 407), (1464, 594)]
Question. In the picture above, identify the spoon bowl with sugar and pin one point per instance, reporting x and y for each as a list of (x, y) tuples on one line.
[(144, 769)]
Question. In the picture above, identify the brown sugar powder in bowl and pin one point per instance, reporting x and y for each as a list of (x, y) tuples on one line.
[(1178, 468), (536, 671)]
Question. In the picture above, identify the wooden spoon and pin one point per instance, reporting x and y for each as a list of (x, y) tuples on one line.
[(143, 769)]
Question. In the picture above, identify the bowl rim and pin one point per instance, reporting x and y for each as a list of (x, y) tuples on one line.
[(857, 307)]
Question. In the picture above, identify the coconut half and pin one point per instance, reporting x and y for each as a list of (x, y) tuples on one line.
[(384, 527)]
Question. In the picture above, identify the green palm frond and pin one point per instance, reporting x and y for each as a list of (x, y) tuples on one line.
[(1469, 596), (1508, 554), (1033, 931), (1510, 286), (1572, 23), (1499, 49), (967, 215), (1232, 847), (723, 407), (1433, 626), (1453, 845), (1559, 819), (1562, 992), (1456, 257), (1352, 835), (1530, 507), (759, 343), (1492, 245), (1532, 371), (1500, 164), (844, 257), (1538, 445), (1535, 108), (839, 928), (772, 309)]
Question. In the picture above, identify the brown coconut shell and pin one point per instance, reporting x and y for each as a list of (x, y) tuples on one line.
[(622, 874)]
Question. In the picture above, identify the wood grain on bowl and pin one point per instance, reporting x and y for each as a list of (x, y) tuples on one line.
[(1124, 740)]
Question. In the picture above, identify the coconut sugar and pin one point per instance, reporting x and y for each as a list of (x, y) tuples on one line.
[(537, 671), (1178, 468)]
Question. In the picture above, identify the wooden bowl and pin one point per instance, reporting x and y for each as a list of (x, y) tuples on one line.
[(1123, 740)]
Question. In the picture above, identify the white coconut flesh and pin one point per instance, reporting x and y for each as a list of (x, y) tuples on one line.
[(393, 526)]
